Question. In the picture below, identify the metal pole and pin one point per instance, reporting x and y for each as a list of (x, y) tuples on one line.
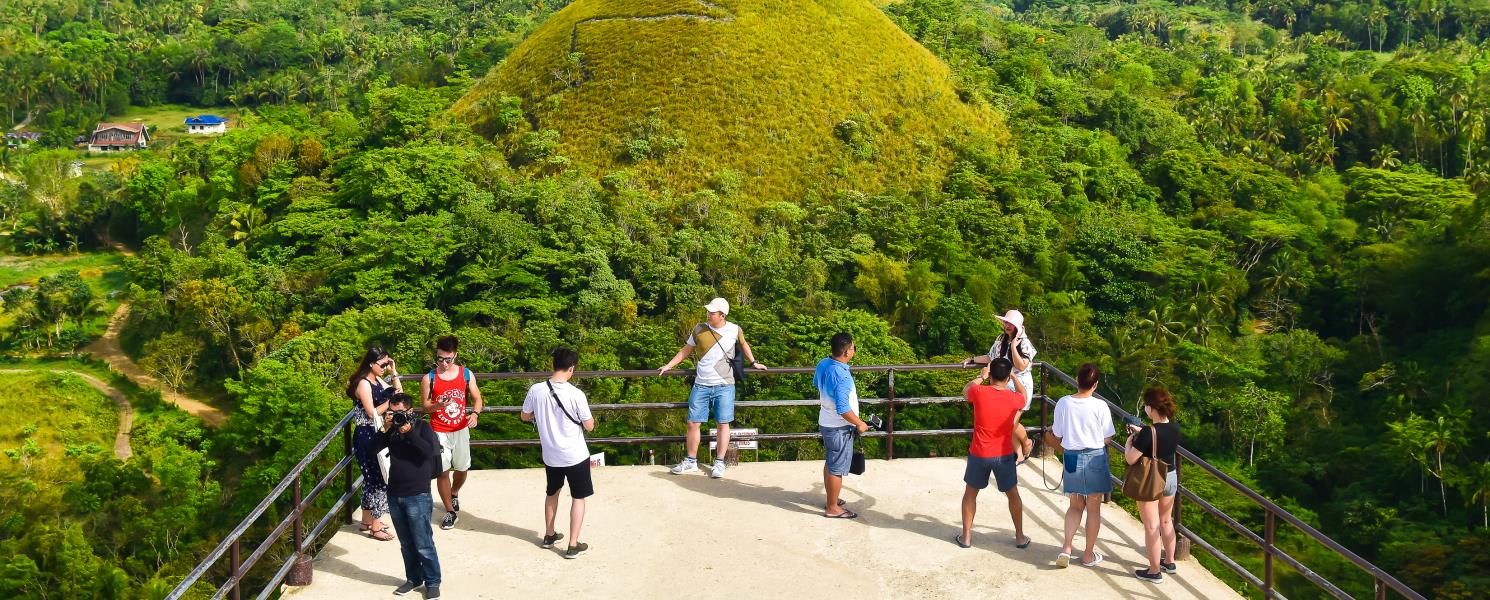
[(299, 516), (1381, 590), (1044, 406), (1267, 556), (890, 425), (346, 442), (1181, 543), (237, 577)]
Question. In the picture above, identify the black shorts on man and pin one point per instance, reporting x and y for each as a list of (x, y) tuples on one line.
[(578, 475)]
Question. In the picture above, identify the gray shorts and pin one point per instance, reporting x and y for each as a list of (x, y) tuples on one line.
[(839, 444), (1001, 467)]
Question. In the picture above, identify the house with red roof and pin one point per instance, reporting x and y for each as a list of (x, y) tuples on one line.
[(115, 137)]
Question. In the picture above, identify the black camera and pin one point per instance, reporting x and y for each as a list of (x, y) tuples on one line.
[(401, 418), (874, 422)]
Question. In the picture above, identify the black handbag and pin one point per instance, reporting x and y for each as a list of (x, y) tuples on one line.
[(856, 464)]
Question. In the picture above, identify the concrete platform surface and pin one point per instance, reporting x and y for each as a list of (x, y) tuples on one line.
[(759, 533)]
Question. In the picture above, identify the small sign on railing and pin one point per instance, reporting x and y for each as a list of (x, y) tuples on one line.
[(597, 460), (735, 436)]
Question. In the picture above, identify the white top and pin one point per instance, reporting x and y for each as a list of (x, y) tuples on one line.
[(827, 412), (1026, 351), (1082, 423), (712, 361), (563, 442)]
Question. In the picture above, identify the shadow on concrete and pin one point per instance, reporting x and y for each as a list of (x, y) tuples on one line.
[(329, 560)]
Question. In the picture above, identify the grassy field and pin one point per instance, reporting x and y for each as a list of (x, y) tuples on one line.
[(168, 119), (791, 96), (50, 413), (102, 271)]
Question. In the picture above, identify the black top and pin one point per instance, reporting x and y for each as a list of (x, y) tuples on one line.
[(1169, 440), (413, 458)]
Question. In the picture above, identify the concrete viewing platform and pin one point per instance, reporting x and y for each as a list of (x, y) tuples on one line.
[(759, 533)]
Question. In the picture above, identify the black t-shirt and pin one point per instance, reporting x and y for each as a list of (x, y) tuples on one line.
[(414, 459), (1169, 440)]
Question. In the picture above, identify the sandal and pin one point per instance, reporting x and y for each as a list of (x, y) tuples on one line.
[(1026, 543), (961, 544), (381, 535), (846, 514), (1096, 560)]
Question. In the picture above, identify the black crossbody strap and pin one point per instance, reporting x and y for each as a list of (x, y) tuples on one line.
[(555, 396)]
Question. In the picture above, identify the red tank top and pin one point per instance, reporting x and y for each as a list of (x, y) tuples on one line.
[(449, 413)]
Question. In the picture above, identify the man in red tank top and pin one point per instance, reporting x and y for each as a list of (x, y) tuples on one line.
[(445, 391)]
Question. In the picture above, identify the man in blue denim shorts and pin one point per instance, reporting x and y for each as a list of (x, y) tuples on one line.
[(714, 382), (838, 421)]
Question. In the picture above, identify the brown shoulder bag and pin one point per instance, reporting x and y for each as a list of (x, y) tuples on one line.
[(1144, 479)]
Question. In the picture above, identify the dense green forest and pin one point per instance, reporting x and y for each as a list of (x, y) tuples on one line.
[(1278, 209)]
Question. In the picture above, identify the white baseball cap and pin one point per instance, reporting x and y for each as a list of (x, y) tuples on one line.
[(719, 305)]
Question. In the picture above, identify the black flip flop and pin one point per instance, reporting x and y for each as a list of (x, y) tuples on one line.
[(846, 514), (957, 539), (841, 502), (1026, 543)]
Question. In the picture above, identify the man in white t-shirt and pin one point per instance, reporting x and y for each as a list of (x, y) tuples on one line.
[(563, 416), (714, 382)]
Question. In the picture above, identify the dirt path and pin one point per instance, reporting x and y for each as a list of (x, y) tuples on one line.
[(107, 349), (126, 411)]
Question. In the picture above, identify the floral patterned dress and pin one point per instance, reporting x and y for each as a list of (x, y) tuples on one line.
[(374, 489)]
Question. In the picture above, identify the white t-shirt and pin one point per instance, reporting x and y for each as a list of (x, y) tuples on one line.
[(1026, 351), (1082, 423), (563, 442), (713, 361)]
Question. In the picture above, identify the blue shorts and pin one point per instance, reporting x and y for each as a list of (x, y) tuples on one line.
[(1086, 472), (1001, 467), (839, 444), (720, 397)]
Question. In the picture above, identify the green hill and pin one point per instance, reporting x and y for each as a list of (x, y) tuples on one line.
[(791, 96)]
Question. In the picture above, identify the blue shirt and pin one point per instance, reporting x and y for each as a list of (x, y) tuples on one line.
[(834, 382)]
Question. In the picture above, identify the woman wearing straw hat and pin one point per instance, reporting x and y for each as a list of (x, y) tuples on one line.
[(1014, 345)]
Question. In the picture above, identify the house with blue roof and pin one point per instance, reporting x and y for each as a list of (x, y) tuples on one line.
[(204, 124)]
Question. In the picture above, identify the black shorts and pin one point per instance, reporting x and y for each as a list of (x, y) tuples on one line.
[(580, 486)]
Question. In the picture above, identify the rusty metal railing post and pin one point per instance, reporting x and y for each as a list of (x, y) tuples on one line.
[(346, 442), (234, 562), (1381, 589), (890, 425), (1267, 555), (1181, 548), (1044, 408), (299, 533)]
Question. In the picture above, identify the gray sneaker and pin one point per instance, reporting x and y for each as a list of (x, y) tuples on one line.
[(576, 550), (685, 466), (408, 586), (431, 592), (718, 471)]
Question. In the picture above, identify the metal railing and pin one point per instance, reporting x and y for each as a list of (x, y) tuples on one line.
[(302, 544)]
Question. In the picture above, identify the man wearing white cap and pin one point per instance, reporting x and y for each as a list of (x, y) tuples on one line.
[(1014, 345), (714, 383)]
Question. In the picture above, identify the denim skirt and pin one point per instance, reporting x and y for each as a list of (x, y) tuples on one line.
[(1086, 472)]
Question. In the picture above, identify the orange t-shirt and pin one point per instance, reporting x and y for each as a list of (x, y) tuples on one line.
[(993, 420)]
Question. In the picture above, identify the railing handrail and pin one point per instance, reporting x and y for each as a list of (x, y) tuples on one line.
[(343, 425)]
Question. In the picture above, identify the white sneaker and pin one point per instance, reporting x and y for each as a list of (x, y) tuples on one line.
[(718, 471), (685, 466)]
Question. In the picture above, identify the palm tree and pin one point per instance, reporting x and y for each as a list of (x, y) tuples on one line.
[(1385, 157), (1474, 483), (1159, 326), (1444, 434)]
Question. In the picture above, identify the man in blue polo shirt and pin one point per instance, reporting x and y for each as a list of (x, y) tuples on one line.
[(837, 420)]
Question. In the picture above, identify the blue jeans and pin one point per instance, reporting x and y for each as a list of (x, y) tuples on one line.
[(720, 397), (411, 515), (838, 447)]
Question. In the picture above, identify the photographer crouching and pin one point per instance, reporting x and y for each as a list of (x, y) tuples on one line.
[(414, 459)]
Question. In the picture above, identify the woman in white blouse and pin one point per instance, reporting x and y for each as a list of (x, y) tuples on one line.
[(1083, 424)]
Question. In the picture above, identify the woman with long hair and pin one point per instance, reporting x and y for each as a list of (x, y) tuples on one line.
[(1158, 525), (370, 394)]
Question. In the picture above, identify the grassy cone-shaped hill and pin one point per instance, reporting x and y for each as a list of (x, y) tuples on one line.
[(792, 96)]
